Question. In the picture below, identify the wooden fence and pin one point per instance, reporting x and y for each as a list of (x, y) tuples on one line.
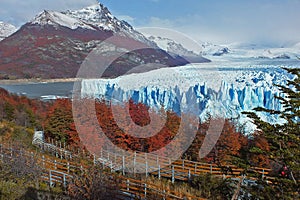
[(61, 172), (159, 166)]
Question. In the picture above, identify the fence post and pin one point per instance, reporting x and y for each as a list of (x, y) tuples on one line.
[(68, 167), (64, 180), (183, 164), (173, 174), (146, 168), (94, 159), (50, 178), (43, 160), (263, 173), (123, 165), (55, 166), (134, 162), (210, 168), (159, 172), (189, 174), (145, 189), (127, 184), (195, 168)]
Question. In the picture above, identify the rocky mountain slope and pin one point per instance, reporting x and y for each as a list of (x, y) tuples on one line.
[(54, 45)]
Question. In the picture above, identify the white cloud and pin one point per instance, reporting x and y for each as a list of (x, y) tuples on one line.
[(242, 26), (18, 12), (158, 22), (126, 18)]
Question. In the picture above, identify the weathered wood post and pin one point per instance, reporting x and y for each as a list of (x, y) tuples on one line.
[(127, 184), (55, 165), (146, 165), (64, 180), (134, 162), (145, 190), (123, 165), (173, 174), (68, 167), (43, 160), (159, 176), (50, 179), (146, 168)]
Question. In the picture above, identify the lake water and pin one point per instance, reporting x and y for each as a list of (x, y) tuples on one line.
[(41, 90)]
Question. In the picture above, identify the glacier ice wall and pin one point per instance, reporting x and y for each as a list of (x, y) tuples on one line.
[(229, 101)]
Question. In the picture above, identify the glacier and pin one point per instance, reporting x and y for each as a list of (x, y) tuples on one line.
[(237, 90)]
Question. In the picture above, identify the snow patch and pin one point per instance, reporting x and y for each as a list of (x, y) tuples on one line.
[(6, 30)]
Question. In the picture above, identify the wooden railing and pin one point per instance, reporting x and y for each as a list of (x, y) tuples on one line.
[(158, 165), (61, 172)]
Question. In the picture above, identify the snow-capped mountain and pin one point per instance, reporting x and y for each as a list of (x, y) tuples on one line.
[(99, 16), (172, 46), (175, 48), (54, 44), (57, 19), (253, 51), (249, 51), (200, 89), (210, 49), (6, 30)]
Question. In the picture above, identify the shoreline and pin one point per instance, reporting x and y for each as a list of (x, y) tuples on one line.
[(29, 81)]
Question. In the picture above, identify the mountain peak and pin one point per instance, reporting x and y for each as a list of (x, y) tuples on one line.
[(58, 19), (6, 30), (97, 15)]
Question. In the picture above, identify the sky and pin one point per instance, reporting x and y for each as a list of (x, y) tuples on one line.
[(218, 21)]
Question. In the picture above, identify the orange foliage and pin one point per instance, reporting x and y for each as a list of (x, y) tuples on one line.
[(139, 114), (259, 159)]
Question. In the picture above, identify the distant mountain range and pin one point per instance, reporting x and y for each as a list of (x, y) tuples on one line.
[(54, 45), (249, 51), (175, 48)]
